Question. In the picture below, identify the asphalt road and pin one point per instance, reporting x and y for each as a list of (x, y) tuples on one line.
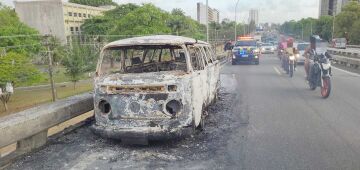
[(263, 120)]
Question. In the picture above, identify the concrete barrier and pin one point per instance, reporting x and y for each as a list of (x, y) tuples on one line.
[(347, 58), (353, 46), (28, 129)]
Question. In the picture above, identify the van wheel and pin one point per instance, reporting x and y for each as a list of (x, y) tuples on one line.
[(201, 126)]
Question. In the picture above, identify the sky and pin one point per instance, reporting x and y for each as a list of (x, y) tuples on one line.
[(271, 11)]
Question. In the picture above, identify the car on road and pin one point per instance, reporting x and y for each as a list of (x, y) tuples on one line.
[(267, 48), (246, 51), (154, 88), (301, 47), (339, 43)]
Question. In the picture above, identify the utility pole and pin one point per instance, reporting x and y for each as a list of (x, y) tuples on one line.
[(52, 83), (207, 20), (333, 26), (235, 37)]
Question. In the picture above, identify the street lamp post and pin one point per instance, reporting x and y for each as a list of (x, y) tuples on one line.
[(302, 31), (333, 27), (235, 19), (333, 24), (207, 20)]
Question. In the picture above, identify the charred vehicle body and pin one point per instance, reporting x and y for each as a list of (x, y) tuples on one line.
[(154, 88)]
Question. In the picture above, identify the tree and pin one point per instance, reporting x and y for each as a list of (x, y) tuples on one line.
[(102, 25), (145, 20), (132, 20), (17, 68), (95, 3), (78, 60), (346, 20), (323, 27), (10, 26)]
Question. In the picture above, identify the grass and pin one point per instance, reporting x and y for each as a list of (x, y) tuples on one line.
[(59, 76), (27, 98)]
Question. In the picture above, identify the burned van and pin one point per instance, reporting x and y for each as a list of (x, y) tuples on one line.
[(154, 87)]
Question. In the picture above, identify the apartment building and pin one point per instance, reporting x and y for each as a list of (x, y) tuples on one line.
[(254, 16), (213, 14), (331, 7), (56, 17)]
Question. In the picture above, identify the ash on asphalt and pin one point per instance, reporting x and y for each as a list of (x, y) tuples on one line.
[(81, 149)]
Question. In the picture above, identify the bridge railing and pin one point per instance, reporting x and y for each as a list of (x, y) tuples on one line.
[(29, 129), (353, 46), (348, 58)]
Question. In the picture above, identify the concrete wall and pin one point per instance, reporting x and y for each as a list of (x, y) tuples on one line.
[(45, 16)]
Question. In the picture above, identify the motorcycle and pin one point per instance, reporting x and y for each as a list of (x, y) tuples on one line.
[(320, 73), (289, 64)]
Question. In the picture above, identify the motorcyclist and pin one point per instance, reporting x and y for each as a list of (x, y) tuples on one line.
[(307, 53), (289, 51)]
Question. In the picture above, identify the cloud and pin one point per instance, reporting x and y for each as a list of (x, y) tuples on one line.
[(276, 11)]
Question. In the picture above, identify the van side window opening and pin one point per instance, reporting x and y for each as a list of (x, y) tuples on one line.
[(210, 53), (196, 58), (143, 59), (206, 55)]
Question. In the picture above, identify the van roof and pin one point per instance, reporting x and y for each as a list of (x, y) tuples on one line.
[(154, 40)]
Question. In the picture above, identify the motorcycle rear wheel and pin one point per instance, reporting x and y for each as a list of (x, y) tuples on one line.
[(312, 86), (291, 70), (326, 88)]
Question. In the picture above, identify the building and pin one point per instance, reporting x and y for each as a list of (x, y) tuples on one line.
[(213, 14), (330, 7), (55, 17), (254, 16)]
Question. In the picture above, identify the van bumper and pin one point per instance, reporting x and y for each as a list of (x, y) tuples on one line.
[(141, 135)]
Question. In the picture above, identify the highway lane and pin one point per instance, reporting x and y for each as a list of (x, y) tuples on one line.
[(264, 120), (291, 127)]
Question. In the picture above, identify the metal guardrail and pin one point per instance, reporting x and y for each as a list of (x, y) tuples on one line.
[(353, 46), (29, 128), (345, 57)]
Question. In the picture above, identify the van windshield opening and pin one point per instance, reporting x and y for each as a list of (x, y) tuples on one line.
[(142, 59)]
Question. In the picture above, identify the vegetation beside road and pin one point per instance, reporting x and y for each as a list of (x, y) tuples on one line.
[(347, 24), (26, 98)]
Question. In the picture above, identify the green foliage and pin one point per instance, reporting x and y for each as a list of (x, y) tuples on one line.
[(132, 20), (78, 60), (10, 25), (347, 22), (323, 27), (16, 67), (145, 20), (307, 26), (184, 26), (102, 25), (95, 3)]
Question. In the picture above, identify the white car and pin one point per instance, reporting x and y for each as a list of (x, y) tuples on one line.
[(301, 47), (267, 48)]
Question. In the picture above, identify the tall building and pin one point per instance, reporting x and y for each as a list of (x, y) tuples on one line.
[(55, 17), (330, 7), (213, 14), (254, 16)]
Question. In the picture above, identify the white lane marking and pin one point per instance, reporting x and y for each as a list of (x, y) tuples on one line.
[(348, 72), (277, 71)]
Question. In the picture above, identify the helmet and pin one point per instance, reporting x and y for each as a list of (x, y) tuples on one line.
[(290, 42)]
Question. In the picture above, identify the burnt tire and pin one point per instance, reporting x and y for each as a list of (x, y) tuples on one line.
[(201, 125)]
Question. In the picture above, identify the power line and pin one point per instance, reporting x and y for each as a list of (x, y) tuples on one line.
[(20, 36)]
